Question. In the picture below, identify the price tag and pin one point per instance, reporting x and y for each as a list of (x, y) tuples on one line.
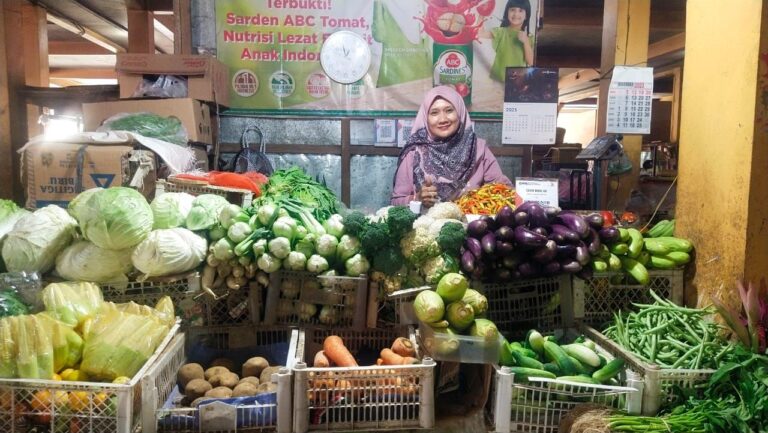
[(543, 191)]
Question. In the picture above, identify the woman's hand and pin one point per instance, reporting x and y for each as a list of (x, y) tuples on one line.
[(428, 194)]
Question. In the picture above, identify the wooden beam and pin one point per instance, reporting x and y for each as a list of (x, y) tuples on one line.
[(94, 73), (87, 34), (141, 31), (7, 156), (35, 43), (578, 78), (667, 46), (75, 48), (182, 33)]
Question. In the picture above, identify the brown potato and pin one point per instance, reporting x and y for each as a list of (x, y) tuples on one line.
[(219, 392), (254, 366), (198, 400), (196, 388), (266, 374), (213, 371), (250, 379), (245, 389), (228, 379), (223, 362), (265, 388), (187, 372)]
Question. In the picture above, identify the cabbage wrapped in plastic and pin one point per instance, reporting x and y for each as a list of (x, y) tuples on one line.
[(36, 240), (84, 261), (119, 343), (72, 303), (163, 310)]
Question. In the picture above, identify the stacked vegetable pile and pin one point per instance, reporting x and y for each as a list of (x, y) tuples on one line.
[(540, 356), (9, 214), (453, 309)]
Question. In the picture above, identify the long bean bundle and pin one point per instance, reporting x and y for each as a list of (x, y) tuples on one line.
[(669, 335)]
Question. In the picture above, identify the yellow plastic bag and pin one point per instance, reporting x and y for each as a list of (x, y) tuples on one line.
[(72, 302)]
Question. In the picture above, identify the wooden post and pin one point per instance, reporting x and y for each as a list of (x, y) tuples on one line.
[(6, 149), (141, 31), (626, 25), (182, 38)]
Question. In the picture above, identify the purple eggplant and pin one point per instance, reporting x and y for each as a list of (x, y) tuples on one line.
[(570, 266), (538, 216), (502, 274), (524, 206), (574, 222), (521, 218), (567, 251), (505, 217), (527, 238), (609, 235), (505, 234), (477, 228), (490, 221), (568, 234), (585, 273), (488, 242), (551, 268), (552, 211), (546, 253), (468, 262), (557, 237), (593, 242), (511, 261), (528, 270), (541, 230), (504, 249), (595, 220), (474, 247), (582, 254)]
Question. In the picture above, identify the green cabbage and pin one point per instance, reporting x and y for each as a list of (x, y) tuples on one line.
[(169, 252), (205, 211), (9, 214), (37, 239), (170, 210), (112, 218), (84, 261)]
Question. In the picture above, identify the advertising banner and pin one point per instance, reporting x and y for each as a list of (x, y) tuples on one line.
[(272, 48)]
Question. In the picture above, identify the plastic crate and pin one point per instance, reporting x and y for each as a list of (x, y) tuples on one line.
[(400, 304), (515, 307), (27, 405), (660, 384), (538, 404), (366, 397), (274, 416), (238, 307), (596, 299), (458, 348), (240, 197), (345, 296)]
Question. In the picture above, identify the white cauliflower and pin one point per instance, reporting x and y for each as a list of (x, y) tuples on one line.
[(446, 209), (380, 215), (423, 221), (418, 245)]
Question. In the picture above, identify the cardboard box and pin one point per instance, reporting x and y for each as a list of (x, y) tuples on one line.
[(194, 115), (52, 176), (208, 79)]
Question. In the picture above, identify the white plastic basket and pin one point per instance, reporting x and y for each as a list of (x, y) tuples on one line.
[(362, 398), (346, 298), (597, 298), (27, 405), (538, 404), (660, 384), (544, 304), (242, 418), (240, 197)]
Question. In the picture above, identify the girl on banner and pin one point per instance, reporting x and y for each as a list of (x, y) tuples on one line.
[(443, 157), (511, 41)]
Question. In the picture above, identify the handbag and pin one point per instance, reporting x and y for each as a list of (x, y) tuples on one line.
[(249, 158)]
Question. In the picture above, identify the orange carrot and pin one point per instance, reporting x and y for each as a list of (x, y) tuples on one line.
[(334, 349), (392, 358), (403, 347), (321, 360)]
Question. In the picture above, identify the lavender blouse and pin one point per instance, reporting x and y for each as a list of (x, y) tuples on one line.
[(487, 170)]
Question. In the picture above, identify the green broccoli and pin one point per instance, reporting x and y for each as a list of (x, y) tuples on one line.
[(388, 260), (354, 223), (400, 221), (373, 238), (451, 238)]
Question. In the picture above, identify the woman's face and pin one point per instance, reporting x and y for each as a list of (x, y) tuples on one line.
[(442, 119), (516, 17)]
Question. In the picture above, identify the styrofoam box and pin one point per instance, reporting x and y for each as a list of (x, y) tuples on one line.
[(386, 397), (221, 416), (67, 406)]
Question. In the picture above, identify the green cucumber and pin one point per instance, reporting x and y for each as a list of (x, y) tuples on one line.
[(558, 355), (517, 347), (679, 257), (505, 355), (623, 235), (536, 341), (582, 354), (552, 368), (661, 262), (636, 270), (528, 362), (580, 367), (523, 373), (644, 257), (636, 242), (614, 263), (610, 370), (620, 249)]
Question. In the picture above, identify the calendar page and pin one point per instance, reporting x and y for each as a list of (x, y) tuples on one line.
[(629, 100), (530, 106)]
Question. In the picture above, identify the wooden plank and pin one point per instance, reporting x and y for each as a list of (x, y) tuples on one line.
[(35, 43), (76, 48), (87, 34), (346, 160), (666, 46), (182, 34), (141, 31), (17, 109), (7, 172), (96, 73)]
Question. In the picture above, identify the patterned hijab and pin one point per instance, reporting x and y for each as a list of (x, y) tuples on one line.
[(448, 162)]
